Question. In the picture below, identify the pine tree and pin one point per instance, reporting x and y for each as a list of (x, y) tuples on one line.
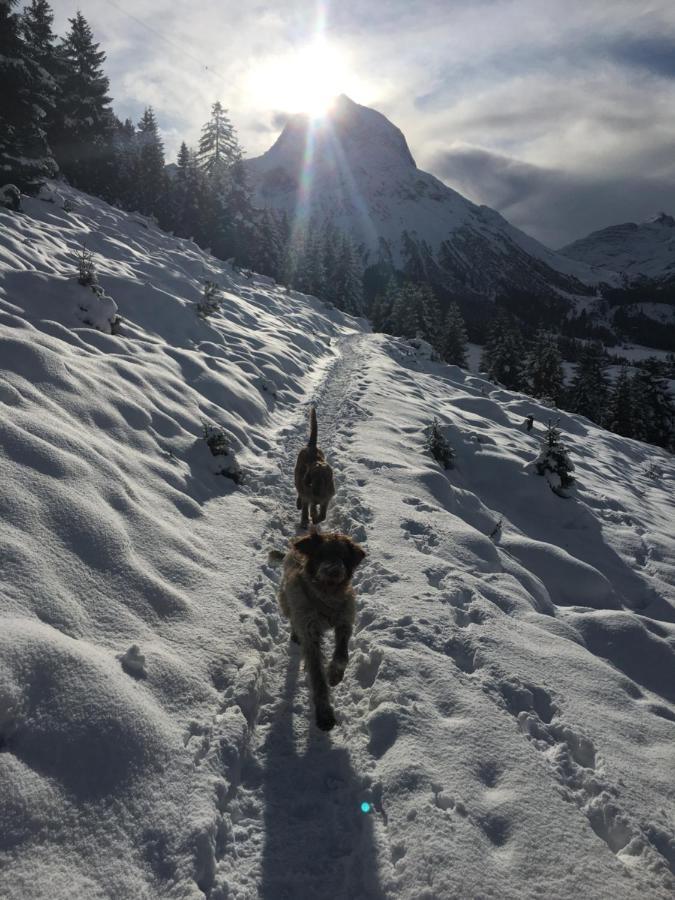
[(349, 284), (654, 411), (503, 354), (125, 151), (554, 463), (218, 146), (543, 367), (430, 318), (270, 248), (405, 311), (589, 390), (621, 418), (330, 242), (152, 182), (36, 27), (84, 122), (25, 97), (453, 342)]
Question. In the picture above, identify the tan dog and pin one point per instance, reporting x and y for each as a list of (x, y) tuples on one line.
[(313, 479), (316, 595)]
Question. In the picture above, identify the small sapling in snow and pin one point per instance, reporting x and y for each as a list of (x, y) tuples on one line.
[(210, 300), (436, 445), (216, 441), (554, 463), (86, 268)]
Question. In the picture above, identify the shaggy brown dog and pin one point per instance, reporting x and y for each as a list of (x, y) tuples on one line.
[(313, 479), (316, 594)]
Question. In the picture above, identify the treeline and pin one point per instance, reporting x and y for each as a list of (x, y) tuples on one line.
[(638, 406)]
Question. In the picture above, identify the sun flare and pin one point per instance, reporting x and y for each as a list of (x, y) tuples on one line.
[(305, 81)]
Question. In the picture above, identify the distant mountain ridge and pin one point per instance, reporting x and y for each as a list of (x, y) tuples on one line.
[(354, 168), (634, 250)]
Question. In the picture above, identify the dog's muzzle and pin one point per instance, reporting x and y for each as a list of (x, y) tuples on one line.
[(332, 572)]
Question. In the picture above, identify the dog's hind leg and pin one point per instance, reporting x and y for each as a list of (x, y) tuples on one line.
[(338, 663), (311, 645), (315, 514)]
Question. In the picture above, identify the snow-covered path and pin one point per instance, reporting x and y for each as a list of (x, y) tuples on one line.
[(295, 821)]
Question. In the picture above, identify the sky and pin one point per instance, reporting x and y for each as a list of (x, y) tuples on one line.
[(561, 115)]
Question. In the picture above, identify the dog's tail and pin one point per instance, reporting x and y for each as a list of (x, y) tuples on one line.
[(313, 428)]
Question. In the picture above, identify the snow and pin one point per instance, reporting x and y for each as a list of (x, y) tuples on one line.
[(354, 169), (507, 718), (644, 249)]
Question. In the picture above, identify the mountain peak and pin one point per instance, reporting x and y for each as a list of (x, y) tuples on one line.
[(354, 131)]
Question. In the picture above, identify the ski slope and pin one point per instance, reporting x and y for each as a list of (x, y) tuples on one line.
[(508, 713)]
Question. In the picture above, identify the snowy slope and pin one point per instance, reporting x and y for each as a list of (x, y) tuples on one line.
[(354, 168), (644, 249), (508, 712)]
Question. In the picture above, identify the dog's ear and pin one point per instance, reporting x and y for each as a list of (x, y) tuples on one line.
[(358, 554), (309, 544)]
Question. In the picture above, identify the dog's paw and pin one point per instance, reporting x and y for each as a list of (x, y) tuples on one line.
[(336, 671), (325, 718)]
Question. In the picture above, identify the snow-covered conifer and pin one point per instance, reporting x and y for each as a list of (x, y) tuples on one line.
[(554, 463), (589, 391), (453, 341), (25, 97), (84, 122), (503, 354), (653, 408), (621, 417), (543, 368)]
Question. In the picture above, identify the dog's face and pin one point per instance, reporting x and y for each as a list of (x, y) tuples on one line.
[(331, 558)]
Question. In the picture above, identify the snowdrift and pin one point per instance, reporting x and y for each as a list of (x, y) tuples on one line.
[(507, 720)]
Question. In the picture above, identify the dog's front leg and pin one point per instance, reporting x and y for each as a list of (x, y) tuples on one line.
[(304, 515), (338, 663), (323, 512), (311, 645)]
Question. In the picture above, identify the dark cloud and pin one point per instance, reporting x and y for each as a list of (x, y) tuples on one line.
[(654, 54), (554, 206)]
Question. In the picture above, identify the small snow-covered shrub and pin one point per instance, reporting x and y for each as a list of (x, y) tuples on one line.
[(10, 197), (98, 311), (86, 268), (218, 444), (554, 463), (210, 301), (436, 445)]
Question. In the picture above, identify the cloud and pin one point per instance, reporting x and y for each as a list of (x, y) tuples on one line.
[(553, 205), (571, 102)]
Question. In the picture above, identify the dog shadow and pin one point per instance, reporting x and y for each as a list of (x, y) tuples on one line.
[(318, 842)]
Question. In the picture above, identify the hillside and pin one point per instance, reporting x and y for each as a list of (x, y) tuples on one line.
[(644, 250), (508, 713)]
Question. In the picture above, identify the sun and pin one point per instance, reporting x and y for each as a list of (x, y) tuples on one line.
[(306, 80)]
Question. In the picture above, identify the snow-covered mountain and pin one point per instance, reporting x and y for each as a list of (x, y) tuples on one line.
[(354, 167), (506, 726), (635, 250)]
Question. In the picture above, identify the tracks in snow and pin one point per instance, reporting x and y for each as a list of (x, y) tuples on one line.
[(288, 820)]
